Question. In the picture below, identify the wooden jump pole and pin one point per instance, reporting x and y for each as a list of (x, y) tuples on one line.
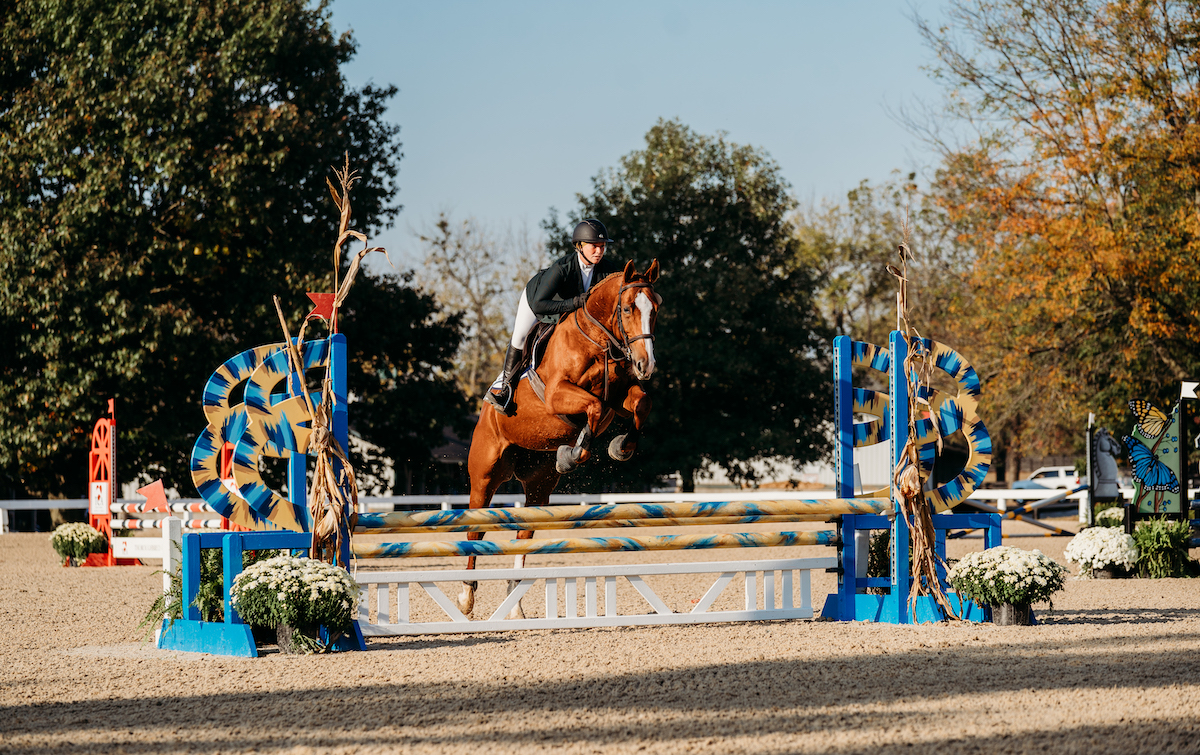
[(592, 544), (599, 524), (401, 521)]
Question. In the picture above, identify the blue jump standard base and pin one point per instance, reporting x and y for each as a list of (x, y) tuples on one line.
[(231, 636), (849, 603)]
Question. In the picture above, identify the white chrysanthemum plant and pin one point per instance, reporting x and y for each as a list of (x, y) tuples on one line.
[(1101, 548), (300, 592), (75, 541), (1003, 575), (1111, 517)]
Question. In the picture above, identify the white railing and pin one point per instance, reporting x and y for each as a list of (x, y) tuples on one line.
[(378, 600)]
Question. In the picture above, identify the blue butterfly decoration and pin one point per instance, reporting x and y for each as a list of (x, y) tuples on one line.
[(1148, 470)]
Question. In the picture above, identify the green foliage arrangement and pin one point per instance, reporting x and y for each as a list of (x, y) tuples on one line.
[(76, 540), (740, 344), (1007, 575), (1110, 517), (1163, 545), (210, 596), (879, 559), (302, 593)]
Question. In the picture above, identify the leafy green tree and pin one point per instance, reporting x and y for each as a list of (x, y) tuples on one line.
[(164, 167), (1080, 194), (742, 371)]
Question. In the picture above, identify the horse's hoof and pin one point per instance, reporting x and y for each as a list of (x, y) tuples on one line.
[(565, 461), (516, 612), (616, 450), (466, 600)]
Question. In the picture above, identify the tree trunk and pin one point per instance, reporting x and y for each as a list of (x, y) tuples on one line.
[(687, 479), (1000, 457)]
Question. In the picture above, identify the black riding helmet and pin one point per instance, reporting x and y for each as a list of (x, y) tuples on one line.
[(591, 231)]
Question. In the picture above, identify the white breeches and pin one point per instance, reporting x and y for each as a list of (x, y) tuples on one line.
[(522, 326), (523, 323)]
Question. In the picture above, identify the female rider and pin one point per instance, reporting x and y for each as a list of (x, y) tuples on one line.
[(556, 291)]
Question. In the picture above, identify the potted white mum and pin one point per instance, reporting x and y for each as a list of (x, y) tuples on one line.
[(1102, 552), (297, 596), (1111, 517), (75, 541), (1009, 580)]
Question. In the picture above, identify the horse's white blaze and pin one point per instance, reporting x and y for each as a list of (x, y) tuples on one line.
[(646, 308)]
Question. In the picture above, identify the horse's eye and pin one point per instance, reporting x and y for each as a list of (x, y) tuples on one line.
[(628, 309)]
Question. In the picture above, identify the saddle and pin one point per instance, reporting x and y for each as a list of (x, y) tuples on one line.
[(537, 340), (539, 337)]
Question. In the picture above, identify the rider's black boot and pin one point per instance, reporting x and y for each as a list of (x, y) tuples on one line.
[(501, 397)]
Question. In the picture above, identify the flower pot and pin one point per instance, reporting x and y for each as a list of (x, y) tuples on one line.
[(1112, 571), (296, 640), (1012, 614)]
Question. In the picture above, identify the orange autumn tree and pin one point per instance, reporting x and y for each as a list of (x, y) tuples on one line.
[(1079, 192)]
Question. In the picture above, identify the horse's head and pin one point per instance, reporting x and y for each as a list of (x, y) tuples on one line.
[(637, 312)]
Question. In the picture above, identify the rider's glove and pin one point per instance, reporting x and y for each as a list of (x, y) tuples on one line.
[(578, 301)]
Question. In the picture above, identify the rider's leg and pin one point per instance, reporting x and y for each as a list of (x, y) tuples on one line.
[(501, 393)]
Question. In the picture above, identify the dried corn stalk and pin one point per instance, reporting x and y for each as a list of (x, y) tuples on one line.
[(909, 482), (333, 499)]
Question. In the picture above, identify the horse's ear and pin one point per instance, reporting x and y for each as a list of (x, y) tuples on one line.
[(630, 271), (652, 271)]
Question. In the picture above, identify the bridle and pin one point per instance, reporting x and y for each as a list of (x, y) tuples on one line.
[(617, 349)]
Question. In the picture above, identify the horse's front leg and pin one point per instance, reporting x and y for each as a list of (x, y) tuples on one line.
[(466, 598), (568, 399), (638, 404)]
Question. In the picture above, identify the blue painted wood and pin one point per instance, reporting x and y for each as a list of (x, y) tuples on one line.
[(349, 641), (939, 548), (208, 637), (872, 522), (898, 398), (991, 534), (844, 397), (880, 608), (274, 540), (297, 472), (847, 582), (190, 563), (231, 562), (341, 419)]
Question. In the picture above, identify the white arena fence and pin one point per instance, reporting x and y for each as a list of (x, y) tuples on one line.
[(379, 504)]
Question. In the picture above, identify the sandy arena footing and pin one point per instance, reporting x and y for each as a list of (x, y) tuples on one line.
[(1114, 669)]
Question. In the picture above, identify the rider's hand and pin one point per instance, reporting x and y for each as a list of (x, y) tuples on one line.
[(579, 301)]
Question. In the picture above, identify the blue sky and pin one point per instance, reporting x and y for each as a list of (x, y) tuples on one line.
[(507, 109)]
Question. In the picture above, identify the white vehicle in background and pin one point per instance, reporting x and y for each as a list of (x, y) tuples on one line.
[(1055, 477)]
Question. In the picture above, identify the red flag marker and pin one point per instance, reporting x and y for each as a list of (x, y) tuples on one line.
[(324, 308), (156, 497)]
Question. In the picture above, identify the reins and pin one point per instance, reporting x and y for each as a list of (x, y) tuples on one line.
[(624, 344)]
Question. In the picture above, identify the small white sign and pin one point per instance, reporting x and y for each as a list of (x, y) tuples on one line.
[(139, 547), (98, 499)]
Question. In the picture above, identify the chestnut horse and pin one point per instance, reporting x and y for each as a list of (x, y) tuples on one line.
[(591, 369)]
